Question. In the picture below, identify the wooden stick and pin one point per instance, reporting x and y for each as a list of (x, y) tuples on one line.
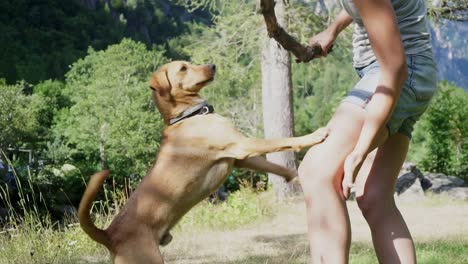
[(302, 53)]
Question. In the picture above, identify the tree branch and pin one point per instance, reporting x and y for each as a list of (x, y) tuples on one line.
[(456, 12), (302, 53)]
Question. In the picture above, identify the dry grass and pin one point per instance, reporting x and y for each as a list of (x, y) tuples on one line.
[(248, 229), (439, 227)]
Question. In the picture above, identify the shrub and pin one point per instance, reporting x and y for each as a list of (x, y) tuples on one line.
[(111, 112), (19, 115), (440, 142)]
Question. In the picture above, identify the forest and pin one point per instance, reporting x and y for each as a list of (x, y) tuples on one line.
[(74, 79)]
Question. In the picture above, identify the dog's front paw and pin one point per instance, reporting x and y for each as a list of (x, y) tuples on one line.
[(292, 176), (294, 181), (319, 135)]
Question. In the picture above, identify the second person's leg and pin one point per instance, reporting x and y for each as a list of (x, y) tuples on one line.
[(374, 194)]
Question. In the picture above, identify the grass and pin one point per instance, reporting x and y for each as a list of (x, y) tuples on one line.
[(436, 252), (207, 234), (36, 239), (44, 244), (30, 236), (295, 251), (244, 207)]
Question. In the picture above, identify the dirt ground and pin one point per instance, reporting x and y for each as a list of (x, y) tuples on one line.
[(284, 236)]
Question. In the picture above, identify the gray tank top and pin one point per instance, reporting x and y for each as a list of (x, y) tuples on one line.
[(414, 29)]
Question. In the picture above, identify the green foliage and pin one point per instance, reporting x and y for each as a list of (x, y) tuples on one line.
[(320, 85), (194, 5), (19, 115), (244, 206), (103, 101), (233, 43), (41, 38), (449, 9), (112, 105), (441, 137), (241, 177), (319, 90), (52, 91), (67, 181)]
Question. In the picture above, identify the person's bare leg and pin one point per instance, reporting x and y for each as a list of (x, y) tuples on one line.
[(320, 174), (374, 191)]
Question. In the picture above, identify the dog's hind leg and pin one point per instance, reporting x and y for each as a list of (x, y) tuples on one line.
[(258, 163), (140, 255), (143, 250)]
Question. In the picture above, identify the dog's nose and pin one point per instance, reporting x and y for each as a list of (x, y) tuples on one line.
[(212, 67)]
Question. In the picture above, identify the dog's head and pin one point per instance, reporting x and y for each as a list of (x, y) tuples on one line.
[(180, 78), (176, 85)]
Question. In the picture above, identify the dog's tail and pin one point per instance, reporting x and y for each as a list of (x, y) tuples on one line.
[(86, 203)]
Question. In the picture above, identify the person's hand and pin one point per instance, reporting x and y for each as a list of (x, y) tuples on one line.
[(352, 165), (325, 39)]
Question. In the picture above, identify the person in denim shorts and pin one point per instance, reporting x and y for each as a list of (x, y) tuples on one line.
[(370, 130)]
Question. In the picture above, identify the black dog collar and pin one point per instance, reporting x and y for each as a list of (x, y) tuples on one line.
[(202, 108)]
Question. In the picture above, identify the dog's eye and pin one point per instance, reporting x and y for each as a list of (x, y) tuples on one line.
[(184, 68)]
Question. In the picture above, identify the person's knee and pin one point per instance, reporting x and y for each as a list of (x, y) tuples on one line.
[(317, 178), (374, 204)]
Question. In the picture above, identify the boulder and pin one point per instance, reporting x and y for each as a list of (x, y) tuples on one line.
[(449, 186), (410, 188), (409, 183), (409, 175), (68, 168), (404, 182), (425, 183), (441, 182), (410, 167)]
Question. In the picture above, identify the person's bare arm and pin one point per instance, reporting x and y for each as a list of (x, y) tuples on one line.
[(328, 36), (384, 35), (341, 22)]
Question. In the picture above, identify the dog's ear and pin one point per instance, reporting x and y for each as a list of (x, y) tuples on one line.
[(159, 82)]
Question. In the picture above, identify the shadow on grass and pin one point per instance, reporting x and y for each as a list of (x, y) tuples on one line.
[(293, 249)]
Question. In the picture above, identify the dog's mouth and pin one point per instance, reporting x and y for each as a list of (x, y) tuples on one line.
[(205, 82)]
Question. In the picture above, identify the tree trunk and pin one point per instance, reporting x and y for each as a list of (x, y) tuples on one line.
[(277, 103)]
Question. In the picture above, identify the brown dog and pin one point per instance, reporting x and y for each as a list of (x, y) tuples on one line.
[(198, 151)]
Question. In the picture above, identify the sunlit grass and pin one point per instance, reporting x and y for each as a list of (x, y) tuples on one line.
[(31, 236)]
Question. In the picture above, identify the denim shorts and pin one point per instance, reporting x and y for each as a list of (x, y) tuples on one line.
[(415, 95)]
